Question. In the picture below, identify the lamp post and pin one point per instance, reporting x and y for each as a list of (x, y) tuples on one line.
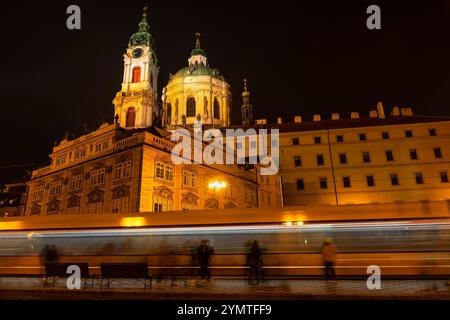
[(217, 185)]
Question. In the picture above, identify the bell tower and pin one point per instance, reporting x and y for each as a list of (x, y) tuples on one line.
[(246, 109), (135, 105)]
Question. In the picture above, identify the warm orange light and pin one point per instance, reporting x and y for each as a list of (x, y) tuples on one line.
[(132, 222), (10, 225), (217, 185)]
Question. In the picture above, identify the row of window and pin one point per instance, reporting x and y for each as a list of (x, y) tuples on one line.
[(117, 205), (97, 178), (362, 136), (320, 160), (81, 153), (370, 180), (191, 107)]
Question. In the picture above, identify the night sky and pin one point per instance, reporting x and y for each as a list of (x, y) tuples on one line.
[(300, 58)]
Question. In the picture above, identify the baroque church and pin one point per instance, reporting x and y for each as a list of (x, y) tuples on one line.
[(126, 166)]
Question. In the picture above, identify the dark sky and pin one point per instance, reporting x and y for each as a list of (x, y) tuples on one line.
[(300, 57)]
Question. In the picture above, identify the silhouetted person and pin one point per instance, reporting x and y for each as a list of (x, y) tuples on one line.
[(254, 262), (204, 252), (50, 253), (329, 259)]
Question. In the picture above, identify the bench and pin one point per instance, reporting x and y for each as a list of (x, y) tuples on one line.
[(112, 271), (59, 269)]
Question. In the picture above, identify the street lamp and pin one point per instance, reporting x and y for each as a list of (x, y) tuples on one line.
[(217, 185)]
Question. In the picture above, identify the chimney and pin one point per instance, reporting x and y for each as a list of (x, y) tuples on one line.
[(297, 119), (373, 114), (335, 116), (261, 121), (395, 111), (354, 115), (380, 110), (406, 111), (279, 121), (317, 117)]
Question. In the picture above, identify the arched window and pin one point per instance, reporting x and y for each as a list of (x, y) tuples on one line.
[(169, 114), (131, 117), (216, 109), (190, 107), (136, 74)]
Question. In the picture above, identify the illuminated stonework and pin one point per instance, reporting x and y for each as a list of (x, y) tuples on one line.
[(135, 105), (196, 92)]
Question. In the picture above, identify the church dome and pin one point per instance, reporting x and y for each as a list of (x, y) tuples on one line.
[(198, 70), (195, 92)]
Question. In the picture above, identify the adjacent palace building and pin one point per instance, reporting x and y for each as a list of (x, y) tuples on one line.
[(126, 166)]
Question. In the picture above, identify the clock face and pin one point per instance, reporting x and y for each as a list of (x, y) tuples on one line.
[(137, 53)]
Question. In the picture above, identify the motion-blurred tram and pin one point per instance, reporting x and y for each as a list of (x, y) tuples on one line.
[(402, 239)]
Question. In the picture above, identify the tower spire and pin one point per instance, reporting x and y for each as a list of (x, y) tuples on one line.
[(246, 109), (197, 42)]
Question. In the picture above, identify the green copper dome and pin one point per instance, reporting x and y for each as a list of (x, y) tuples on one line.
[(199, 70)]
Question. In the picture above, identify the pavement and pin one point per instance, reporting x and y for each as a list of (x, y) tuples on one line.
[(31, 288)]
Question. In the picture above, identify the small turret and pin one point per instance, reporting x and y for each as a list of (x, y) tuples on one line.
[(246, 109)]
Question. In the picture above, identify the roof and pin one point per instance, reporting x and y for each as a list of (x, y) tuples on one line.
[(343, 123), (198, 70)]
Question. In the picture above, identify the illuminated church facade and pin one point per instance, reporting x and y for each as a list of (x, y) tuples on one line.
[(126, 166)]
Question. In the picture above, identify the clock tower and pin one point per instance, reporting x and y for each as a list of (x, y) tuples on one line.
[(135, 105)]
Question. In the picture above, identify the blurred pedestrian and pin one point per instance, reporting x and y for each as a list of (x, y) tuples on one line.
[(329, 259), (254, 262), (49, 253), (204, 253)]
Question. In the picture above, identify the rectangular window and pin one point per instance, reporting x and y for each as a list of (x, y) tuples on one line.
[(408, 133), (38, 193), (432, 132), (61, 160), (80, 153), (159, 171), (76, 183), (98, 147), (444, 176), (169, 173), (343, 158), (437, 152), (158, 207), (385, 135), (346, 182), (340, 138), (413, 154), (317, 140), (122, 170), (389, 155), (419, 178), (366, 156), (295, 141), (300, 184), (320, 160), (323, 183), (298, 161), (97, 177), (362, 137), (190, 179), (394, 179), (56, 188), (370, 181)]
